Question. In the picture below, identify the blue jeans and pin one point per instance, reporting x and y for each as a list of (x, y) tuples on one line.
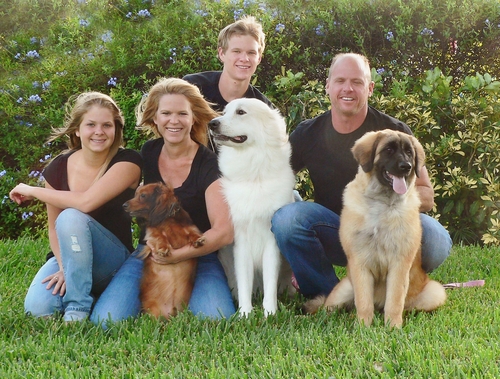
[(307, 235), (211, 296), (90, 256)]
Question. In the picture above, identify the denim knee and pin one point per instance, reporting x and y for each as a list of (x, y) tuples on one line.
[(436, 243), (68, 219), (39, 301), (284, 219)]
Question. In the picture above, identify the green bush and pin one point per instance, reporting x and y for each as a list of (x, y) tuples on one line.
[(436, 65)]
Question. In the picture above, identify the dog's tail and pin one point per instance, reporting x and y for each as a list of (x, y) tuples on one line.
[(313, 305)]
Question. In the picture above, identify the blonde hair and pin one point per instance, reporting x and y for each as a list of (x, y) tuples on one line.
[(245, 26), (361, 58), (75, 109), (202, 113)]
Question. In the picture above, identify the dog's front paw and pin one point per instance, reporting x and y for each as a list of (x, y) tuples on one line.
[(200, 241), (163, 253), (245, 311)]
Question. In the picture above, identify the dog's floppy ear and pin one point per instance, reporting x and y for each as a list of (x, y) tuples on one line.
[(419, 155), (159, 205), (365, 150)]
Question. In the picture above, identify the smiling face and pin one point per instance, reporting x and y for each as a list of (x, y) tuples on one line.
[(174, 118), (349, 86), (241, 57), (97, 129)]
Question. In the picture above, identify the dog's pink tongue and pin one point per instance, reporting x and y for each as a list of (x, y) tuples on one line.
[(398, 185)]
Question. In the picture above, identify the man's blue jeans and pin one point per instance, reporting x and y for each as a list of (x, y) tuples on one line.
[(307, 235)]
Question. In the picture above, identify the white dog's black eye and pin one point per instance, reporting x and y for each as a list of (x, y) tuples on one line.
[(240, 112)]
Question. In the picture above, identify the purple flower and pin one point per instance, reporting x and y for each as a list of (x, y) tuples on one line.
[(112, 82), (33, 54), (426, 32), (280, 27), (389, 36), (144, 13), (201, 12), (107, 37), (27, 215), (84, 23), (320, 30), (35, 99)]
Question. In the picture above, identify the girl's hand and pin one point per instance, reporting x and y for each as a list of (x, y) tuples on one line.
[(21, 193), (58, 281)]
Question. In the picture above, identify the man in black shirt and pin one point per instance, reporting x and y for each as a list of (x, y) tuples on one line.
[(307, 232)]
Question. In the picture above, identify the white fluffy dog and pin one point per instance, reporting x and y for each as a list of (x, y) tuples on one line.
[(257, 179)]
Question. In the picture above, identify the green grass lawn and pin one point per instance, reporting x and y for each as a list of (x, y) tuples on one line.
[(460, 340)]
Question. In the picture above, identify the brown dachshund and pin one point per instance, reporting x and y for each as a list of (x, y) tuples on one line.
[(165, 289)]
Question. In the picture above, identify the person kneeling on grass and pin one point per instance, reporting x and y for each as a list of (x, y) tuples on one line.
[(85, 187)]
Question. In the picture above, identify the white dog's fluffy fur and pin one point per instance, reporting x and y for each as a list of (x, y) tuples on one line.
[(257, 179)]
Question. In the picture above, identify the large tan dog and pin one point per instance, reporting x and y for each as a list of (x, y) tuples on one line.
[(380, 232)]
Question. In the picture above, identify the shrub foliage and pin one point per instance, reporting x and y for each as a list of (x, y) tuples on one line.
[(436, 64)]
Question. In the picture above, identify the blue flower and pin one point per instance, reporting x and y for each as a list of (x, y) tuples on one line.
[(426, 32), (107, 37), (35, 99), (34, 174), (32, 54), (173, 54), (389, 36), (280, 27), (33, 40), (112, 82), (46, 85), (17, 56), (36, 84), (129, 15), (45, 158), (84, 23), (320, 30), (237, 13), (2, 173), (27, 215), (380, 71), (144, 13), (20, 100), (201, 12)]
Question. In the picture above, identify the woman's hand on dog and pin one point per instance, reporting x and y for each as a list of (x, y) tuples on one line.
[(57, 281), (20, 193)]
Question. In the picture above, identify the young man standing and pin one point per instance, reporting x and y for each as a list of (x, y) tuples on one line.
[(240, 47)]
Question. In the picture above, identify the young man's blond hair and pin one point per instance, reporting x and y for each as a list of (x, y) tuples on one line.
[(245, 26)]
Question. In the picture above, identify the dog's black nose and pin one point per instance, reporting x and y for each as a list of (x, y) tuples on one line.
[(405, 166), (125, 205), (214, 124)]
